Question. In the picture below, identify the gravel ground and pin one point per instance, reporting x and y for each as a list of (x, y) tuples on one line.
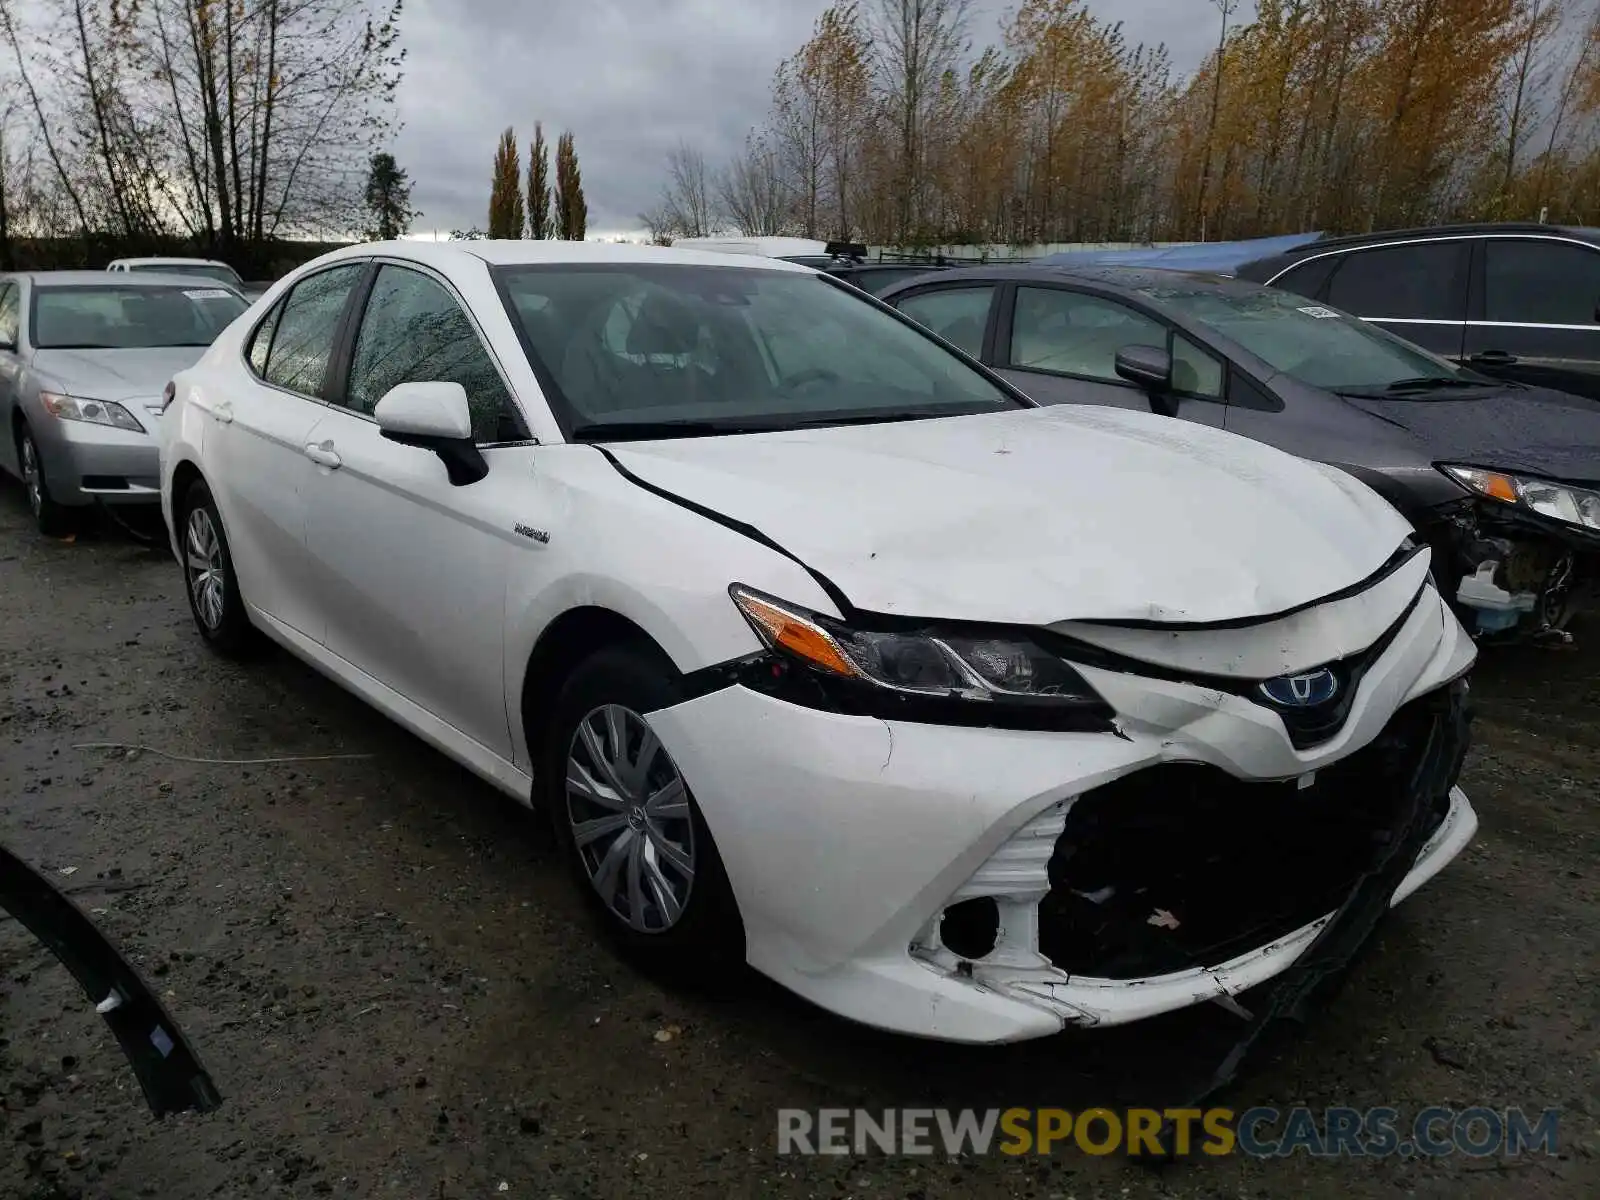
[(399, 994)]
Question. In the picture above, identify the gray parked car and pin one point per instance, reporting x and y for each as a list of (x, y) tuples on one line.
[(1501, 478), (84, 359)]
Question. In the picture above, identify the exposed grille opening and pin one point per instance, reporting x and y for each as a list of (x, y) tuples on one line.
[(106, 483), (1182, 865), (970, 928)]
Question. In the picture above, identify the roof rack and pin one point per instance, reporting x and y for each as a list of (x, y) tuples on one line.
[(1462, 229)]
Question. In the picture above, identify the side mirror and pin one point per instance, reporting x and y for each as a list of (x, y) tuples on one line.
[(1150, 367), (434, 416)]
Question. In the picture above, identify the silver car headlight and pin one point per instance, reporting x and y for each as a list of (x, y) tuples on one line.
[(92, 412), (1558, 501)]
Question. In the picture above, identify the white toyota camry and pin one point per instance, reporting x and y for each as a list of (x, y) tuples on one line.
[(822, 647)]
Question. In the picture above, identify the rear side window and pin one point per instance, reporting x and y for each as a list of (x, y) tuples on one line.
[(302, 344), (958, 315), (1541, 282), (1308, 278), (1423, 281)]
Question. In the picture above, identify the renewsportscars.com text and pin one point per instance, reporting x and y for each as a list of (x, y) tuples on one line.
[(1257, 1132)]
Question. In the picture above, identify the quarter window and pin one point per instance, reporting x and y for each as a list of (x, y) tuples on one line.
[(10, 312), (1541, 282), (958, 315), (261, 340), (1077, 334), (1416, 282), (302, 345), (414, 331)]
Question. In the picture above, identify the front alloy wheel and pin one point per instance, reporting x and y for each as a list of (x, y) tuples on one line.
[(629, 816), (52, 519), (209, 579)]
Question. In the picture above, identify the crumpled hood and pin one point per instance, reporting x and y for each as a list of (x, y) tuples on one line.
[(115, 374), (1533, 430), (1041, 515)]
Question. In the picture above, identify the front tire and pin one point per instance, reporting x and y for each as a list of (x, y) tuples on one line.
[(208, 575), (53, 520), (627, 823)]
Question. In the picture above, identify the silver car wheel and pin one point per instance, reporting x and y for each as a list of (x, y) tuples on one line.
[(31, 476), (208, 576), (628, 811)]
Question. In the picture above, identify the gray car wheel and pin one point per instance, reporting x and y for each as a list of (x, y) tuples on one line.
[(53, 520)]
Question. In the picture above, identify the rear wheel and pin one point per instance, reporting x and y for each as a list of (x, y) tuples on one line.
[(628, 825), (53, 520), (208, 575)]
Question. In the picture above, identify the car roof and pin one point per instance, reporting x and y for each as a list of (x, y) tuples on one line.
[(84, 279), (1377, 237), (173, 260), (526, 251), (1104, 276)]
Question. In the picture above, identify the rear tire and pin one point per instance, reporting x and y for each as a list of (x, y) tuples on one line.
[(208, 575), (628, 826), (54, 520)]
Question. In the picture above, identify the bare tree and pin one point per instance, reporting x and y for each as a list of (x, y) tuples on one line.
[(686, 198), (918, 42), (751, 191)]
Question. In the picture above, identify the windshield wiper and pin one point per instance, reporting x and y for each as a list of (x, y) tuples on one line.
[(1431, 383), (643, 431), (607, 431)]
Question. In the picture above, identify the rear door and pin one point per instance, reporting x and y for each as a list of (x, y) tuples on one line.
[(962, 314), (1059, 345), (253, 449), (1415, 290), (1535, 306)]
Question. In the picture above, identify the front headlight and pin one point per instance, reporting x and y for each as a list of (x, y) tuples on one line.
[(979, 670), (92, 412), (1558, 501)]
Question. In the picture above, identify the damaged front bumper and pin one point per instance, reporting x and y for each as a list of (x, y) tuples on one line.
[(1518, 572), (848, 839)]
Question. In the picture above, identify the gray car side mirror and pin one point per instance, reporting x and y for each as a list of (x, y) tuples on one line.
[(1150, 367)]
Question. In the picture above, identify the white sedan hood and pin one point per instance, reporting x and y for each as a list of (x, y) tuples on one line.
[(1041, 515)]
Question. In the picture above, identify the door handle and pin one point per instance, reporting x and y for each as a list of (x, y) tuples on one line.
[(323, 454), (1493, 358), (223, 412)]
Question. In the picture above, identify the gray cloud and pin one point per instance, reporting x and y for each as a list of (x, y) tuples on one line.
[(629, 78)]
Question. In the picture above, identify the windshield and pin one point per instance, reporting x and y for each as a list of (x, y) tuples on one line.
[(128, 316), (206, 270), (1310, 342), (653, 350)]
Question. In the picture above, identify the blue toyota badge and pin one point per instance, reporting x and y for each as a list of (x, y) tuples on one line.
[(1302, 691)]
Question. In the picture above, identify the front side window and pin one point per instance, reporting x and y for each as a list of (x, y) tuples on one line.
[(125, 316), (414, 331), (663, 348), (1076, 334), (1310, 342), (1540, 282), (959, 315), (1416, 282), (302, 344)]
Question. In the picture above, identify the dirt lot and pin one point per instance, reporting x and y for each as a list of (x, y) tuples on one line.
[(400, 996)]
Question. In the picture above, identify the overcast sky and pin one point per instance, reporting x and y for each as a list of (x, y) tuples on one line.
[(630, 78)]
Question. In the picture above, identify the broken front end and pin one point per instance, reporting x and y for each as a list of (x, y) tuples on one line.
[(1525, 554)]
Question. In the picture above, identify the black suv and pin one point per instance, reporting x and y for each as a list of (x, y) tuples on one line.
[(1517, 301)]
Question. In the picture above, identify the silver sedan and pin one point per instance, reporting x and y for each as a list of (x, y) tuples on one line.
[(84, 360)]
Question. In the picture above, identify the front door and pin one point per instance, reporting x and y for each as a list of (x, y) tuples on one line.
[(412, 570), (1060, 347)]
